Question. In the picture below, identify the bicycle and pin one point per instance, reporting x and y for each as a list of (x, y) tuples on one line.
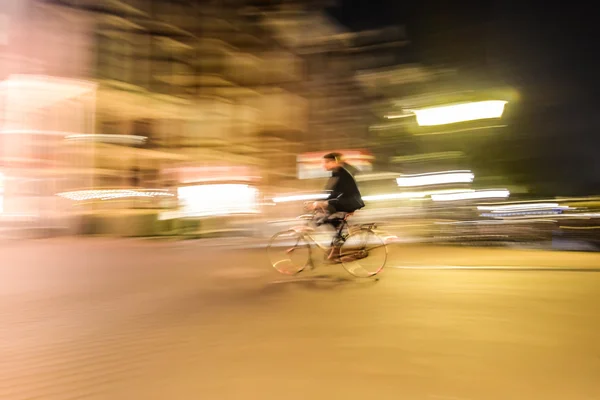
[(353, 241)]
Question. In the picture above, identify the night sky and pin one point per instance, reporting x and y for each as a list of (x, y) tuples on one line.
[(548, 52), (523, 44)]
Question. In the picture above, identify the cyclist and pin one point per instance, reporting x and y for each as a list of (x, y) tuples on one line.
[(344, 198)]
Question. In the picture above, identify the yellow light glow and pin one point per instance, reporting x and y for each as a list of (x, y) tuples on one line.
[(397, 116), (437, 178), (84, 195), (117, 139), (452, 114)]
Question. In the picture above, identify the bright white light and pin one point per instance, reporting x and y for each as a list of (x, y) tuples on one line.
[(31, 92), (397, 116), (522, 207), (436, 178), (300, 197), (84, 195), (519, 213), (470, 195), (220, 199), (74, 87), (408, 195), (460, 112)]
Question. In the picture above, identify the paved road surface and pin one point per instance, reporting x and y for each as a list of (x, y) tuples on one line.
[(125, 320)]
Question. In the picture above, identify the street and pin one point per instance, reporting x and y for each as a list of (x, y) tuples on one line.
[(154, 320)]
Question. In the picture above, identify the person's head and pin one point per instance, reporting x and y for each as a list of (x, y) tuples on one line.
[(332, 161)]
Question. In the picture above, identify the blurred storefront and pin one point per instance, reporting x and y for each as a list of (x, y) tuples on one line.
[(215, 190), (106, 95), (45, 96), (39, 114)]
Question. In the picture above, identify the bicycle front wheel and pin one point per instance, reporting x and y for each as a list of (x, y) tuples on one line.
[(289, 252), (364, 253)]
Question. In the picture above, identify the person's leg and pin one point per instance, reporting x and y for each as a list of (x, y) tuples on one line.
[(322, 215), (336, 242)]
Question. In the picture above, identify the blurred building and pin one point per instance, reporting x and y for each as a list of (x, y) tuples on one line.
[(207, 84), (174, 87), (340, 114), (121, 102)]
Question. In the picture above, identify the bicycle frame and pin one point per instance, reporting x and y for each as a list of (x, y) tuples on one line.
[(306, 230), (349, 251)]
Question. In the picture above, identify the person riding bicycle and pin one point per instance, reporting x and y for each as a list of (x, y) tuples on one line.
[(344, 196)]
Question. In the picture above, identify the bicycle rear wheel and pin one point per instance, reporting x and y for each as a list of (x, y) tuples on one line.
[(364, 253), (289, 252)]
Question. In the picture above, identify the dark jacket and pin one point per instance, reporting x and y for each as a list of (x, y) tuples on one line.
[(345, 195), (351, 168)]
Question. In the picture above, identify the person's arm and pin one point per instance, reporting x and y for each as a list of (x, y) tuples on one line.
[(333, 185), (341, 184), (333, 188)]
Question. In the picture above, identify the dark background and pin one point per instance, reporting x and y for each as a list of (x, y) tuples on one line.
[(547, 52)]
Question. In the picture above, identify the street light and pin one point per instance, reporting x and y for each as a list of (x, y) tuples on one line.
[(472, 195), (451, 114), (436, 178)]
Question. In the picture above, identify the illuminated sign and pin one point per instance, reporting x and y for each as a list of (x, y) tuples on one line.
[(220, 199)]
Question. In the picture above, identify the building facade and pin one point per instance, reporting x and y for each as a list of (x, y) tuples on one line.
[(141, 94)]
